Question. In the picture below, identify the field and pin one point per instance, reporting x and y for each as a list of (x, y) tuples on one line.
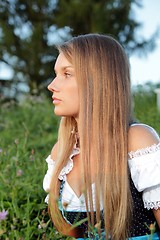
[(27, 132)]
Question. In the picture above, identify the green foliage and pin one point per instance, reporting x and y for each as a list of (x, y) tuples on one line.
[(24, 43), (111, 17), (145, 106), (27, 134), (29, 29)]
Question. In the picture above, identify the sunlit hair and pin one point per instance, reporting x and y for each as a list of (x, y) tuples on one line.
[(102, 73)]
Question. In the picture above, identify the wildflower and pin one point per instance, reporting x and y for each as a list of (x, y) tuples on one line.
[(39, 226), (44, 236), (1, 150), (32, 157), (16, 141), (43, 212), (33, 151), (3, 215), (152, 227), (19, 173), (42, 225)]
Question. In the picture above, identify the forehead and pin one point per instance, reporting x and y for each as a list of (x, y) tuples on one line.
[(62, 62)]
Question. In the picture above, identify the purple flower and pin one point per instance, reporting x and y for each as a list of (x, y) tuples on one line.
[(3, 215)]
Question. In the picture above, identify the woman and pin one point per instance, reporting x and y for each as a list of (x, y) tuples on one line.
[(103, 173)]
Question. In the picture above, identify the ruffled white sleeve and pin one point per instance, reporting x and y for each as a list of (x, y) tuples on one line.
[(62, 176), (48, 175), (144, 165)]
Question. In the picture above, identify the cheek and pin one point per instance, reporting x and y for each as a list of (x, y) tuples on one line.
[(74, 101), (75, 97)]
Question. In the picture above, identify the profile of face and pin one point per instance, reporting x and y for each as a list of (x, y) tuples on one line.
[(64, 88)]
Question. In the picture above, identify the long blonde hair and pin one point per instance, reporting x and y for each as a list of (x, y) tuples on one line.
[(102, 72)]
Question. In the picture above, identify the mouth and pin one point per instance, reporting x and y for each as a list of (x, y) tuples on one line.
[(56, 100)]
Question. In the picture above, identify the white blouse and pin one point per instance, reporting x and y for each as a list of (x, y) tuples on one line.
[(144, 165)]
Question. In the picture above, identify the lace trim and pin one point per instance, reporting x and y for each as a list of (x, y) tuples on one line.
[(152, 205), (69, 166), (143, 151)]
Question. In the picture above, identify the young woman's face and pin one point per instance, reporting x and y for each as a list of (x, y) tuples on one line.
[(64, 88)]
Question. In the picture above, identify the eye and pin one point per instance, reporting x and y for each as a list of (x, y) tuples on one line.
[(67, 74)]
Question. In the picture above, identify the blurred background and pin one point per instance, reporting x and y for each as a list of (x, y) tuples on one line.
[(29, 31)]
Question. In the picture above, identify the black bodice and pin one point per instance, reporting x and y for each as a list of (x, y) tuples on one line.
[(142, 218)]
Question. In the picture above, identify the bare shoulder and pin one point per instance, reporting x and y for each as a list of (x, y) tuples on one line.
[(54, 151), (141, 136)]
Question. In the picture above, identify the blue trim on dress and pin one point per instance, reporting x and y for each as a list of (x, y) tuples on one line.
[(155, 236), (60, 206)]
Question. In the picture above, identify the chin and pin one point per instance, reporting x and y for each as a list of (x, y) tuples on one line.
[(61, 113), (58, 114)]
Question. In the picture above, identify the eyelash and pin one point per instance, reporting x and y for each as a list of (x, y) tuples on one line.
[(67, 74)]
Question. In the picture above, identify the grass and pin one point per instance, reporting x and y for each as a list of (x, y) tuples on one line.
[(145, 108), (28, 131)]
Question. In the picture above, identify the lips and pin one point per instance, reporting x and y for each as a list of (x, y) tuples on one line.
[(56, 100)]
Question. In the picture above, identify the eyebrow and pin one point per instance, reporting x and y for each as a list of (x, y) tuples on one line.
[(65, 67), (69, 66)]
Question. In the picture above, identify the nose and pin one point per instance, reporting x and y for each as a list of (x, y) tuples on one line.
[(51, 87)]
